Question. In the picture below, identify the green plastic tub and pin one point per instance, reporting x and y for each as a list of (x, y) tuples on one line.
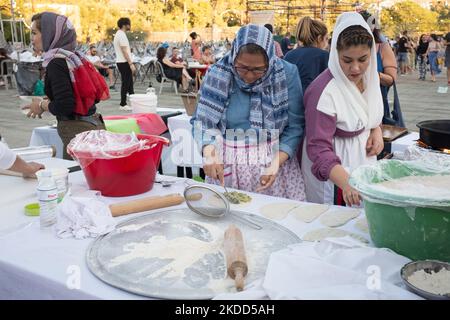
[(418, 228)]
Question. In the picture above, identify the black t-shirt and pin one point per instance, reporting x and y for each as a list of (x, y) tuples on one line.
[(447, 39), (402, 44)]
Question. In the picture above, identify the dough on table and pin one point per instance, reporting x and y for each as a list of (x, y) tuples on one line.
[(320, 234), (309, 212), (339, 217), (277, 210), (362, 225)]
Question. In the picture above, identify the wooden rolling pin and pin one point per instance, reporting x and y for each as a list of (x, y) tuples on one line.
[(235, 254), (144, 204)]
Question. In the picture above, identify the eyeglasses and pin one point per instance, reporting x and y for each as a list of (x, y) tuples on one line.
[(256, 71)]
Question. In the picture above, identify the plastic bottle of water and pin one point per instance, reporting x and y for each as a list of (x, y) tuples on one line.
[(47, 193)]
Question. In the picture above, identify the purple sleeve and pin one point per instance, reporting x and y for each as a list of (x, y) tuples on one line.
[(320, 131)]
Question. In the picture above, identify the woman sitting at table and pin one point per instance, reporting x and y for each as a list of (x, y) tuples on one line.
[(174, 71), (343, 109), (72, 84), (253, 99)]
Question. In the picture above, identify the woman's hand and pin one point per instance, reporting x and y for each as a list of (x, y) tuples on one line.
[(35, 109), (351, 196), (268, 178), (375, 143), (212, 166), (270, 173)]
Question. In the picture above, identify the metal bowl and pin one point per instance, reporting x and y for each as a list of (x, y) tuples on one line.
[(428, 266)]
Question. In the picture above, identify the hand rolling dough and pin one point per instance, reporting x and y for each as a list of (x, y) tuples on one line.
[(277, 210), (339, 218), (309, 212)]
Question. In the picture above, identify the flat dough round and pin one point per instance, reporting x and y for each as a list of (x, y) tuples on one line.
[(339, 218), (309, 212), (323, 233), (362, 225), (277, 210)]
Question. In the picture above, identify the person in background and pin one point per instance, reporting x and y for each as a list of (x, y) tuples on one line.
[(207, 56), (174, 71), (386, 62), (402, 52), (105, 71), (124, 61), (433, 50), (72, 84), (196, 43), (422, 49), (175, 57), (310, 57), (3, 56), (344, 110), (278, 50), (259, 95), (447, 56), (286, 43), (10, 161)]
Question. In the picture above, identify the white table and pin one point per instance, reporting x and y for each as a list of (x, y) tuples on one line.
[(34, 264), (402, 143), (184, 151), (47, 135)]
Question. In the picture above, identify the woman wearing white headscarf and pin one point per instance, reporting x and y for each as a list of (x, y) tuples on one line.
[(343, 110)]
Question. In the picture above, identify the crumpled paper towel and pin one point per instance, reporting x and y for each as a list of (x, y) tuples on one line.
[(83, 217), (335, 268)]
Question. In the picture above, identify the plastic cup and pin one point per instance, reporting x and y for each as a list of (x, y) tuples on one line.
[(61, 177)]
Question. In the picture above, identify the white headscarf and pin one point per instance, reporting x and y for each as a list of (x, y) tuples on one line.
[(369, 104)]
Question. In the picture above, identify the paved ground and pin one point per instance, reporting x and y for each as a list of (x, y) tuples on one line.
[(419, 101)]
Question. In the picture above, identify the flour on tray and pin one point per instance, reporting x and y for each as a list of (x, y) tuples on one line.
[(434, 282)]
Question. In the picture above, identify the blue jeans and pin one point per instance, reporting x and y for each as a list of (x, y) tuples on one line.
[(434, 67)]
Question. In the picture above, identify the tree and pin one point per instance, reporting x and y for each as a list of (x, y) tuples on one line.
[(407, 15)]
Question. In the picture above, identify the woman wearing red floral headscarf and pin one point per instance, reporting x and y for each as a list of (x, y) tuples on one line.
[(72, 84)]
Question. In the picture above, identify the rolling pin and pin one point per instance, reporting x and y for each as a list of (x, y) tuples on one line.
[(233, 244), (144, 204)]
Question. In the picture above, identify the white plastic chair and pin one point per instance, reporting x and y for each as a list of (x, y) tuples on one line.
[(164, 78)]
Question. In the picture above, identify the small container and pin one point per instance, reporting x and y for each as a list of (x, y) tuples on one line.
[(47, 194), (61, 178), (427, 266)]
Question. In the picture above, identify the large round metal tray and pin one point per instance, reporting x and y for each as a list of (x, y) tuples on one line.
[(203, 278)]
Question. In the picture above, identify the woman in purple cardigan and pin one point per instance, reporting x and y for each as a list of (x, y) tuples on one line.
[(343, 109)]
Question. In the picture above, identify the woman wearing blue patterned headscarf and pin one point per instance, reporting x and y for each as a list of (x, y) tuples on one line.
[(249, 118)]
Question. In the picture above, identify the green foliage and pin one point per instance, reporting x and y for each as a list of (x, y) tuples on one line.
[(408, 15)]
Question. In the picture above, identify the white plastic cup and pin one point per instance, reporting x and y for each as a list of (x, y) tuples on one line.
[(61, 177)]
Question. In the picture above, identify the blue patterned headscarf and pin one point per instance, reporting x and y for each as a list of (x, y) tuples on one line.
[(269, 94)]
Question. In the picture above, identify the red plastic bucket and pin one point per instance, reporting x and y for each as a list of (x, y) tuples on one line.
[(129, 175)]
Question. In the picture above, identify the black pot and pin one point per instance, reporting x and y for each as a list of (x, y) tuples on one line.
[(435, 133)]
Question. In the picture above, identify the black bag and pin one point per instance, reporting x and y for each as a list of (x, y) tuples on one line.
[(394, 117)]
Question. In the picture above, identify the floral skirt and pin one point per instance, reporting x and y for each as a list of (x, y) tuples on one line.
[(244, 165)]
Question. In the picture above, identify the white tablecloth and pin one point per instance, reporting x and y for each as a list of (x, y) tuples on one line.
[(34, 264), (400, 144), (184, 151), (47, 136)]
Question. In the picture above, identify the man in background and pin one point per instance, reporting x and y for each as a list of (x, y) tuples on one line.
[(124, 61), (286, 43), (103, 69)]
